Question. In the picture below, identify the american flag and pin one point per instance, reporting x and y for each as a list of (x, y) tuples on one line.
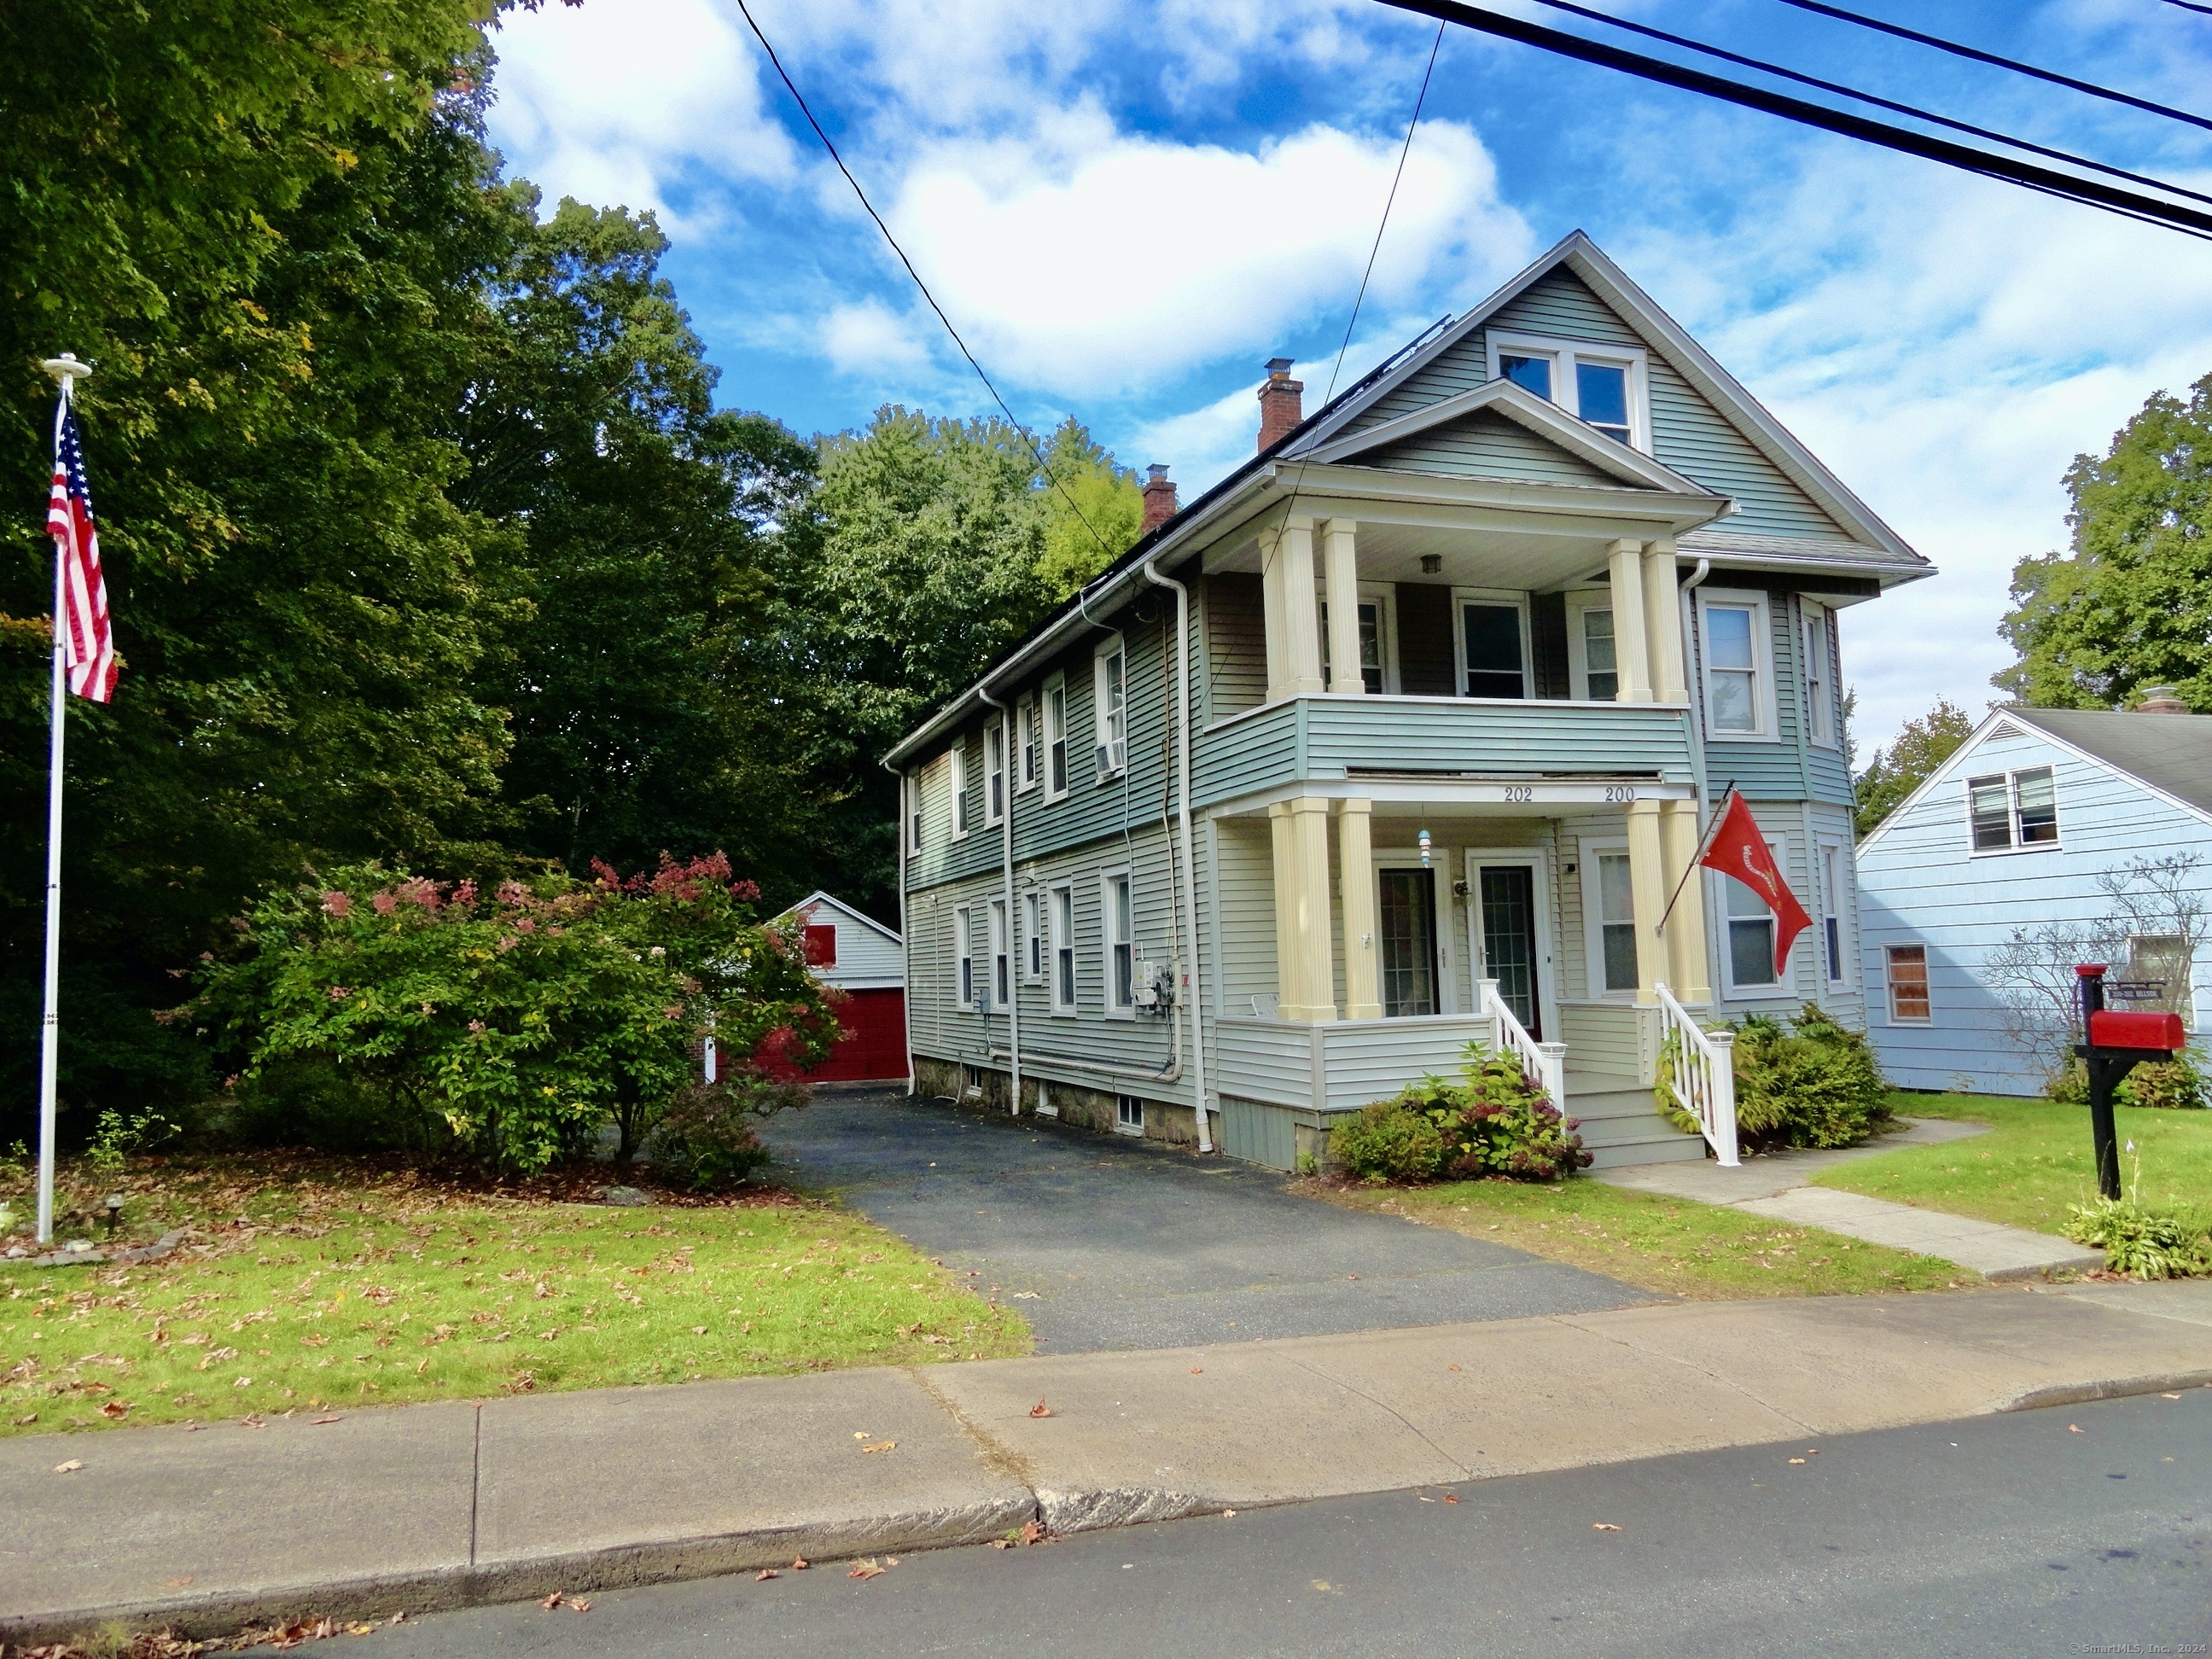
[(88, 643)]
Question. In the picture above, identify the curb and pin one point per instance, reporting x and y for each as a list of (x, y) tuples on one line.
[(2115, 1388)]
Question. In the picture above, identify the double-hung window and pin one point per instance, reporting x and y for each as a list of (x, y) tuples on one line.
[(994, 772), (1593, 662), (963, 947), (1002, 989), (1609, 904), (1377, 666), (1055, 736), (961, 821), (1738, 670), (1905, 968), (1033, 935), (914, 812), (1063, 949), (2013, 812), (1121, 943), (1110, 708), (1030, 753), (1604, 385), (1822, 723), (1493, 647), (1832, 908), (1749, 956)]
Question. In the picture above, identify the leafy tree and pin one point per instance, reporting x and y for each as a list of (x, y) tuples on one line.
[(1094, 509), (1921, 746), (2130, 603)]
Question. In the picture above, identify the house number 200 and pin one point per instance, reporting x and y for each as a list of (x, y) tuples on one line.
[(1620, 792)]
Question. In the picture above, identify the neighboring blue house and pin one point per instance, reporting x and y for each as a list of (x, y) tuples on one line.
[(2009, 838)]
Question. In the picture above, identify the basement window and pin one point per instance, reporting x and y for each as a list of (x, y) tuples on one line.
[(1128, 1115)]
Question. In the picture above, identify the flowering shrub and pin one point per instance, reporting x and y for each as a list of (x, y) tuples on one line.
[(523, 1020), (706, 1137), (1496, 1121)]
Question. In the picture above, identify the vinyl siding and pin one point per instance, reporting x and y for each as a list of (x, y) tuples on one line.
[(1235, 633), (1486, 445)]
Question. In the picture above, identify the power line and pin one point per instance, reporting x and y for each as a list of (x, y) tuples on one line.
[(1890, 104), (1976, 55), (1035, 454), (2128, 203), (2191, 5)]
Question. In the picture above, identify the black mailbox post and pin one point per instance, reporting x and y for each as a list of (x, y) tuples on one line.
[(2115, 1044)]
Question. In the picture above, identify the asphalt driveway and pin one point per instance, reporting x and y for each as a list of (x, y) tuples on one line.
[(1107, 1243)]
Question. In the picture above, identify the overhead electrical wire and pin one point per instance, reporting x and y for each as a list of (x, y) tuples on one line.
[(1890, 104), (2191, 5), (1029, 443), (2173, 215), (1979, 56)]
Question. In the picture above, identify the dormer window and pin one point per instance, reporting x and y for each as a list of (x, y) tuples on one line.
[(1604, 385)]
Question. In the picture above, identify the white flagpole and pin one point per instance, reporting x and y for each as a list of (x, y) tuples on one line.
[(65, 369)]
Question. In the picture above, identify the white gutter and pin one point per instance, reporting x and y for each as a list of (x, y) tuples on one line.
[(906, 931), (1191, 977), (1007, 736)]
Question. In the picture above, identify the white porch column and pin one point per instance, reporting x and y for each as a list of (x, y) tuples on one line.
[(1290, 563), (1271, 599), (1338, 543), (1355, 866), (1647, 881), (1305, 955), (1687, 975), (1662, 624), (1625, 572)]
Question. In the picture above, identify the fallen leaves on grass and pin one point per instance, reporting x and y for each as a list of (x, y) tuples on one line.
[(1040, 1409)]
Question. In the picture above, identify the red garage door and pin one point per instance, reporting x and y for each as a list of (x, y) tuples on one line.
[(874, 1046)]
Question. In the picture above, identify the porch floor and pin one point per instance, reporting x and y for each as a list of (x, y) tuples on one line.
[(1621, 1127)]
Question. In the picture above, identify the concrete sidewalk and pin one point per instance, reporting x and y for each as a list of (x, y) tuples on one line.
[(422, 1506), (1774, 1184)]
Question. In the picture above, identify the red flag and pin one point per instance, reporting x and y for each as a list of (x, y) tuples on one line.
[(1735, 848)]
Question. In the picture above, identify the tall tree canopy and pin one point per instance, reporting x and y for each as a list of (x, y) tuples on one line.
[(1919, 748), (2129, 605)]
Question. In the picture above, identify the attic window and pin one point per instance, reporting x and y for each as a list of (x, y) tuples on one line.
[(1604, 385), (2013, 812)]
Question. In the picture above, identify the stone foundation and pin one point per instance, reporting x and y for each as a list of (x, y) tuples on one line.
[(1077, 1104)]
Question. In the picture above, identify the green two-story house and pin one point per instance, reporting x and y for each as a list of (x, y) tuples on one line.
[(1404, 734)]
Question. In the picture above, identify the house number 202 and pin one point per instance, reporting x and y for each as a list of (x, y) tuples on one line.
[(1519, 794)]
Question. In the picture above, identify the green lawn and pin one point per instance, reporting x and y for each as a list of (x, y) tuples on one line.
[(2034, 1162), (316, 1284), (1674, 1246)]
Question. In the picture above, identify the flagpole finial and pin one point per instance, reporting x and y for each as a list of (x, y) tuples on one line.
[(66, 369)]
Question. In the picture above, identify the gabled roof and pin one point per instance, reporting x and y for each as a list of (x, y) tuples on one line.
[(1696, 365), (2169, 755), (1524, 408), (819, 896)]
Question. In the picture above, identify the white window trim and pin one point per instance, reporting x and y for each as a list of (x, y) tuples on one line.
[(1841, 915), (2011, 776), (998, 949), (1580, 600), (957, 763), (915, 807), (1386, 612), (1890, 1016), (1033, 940), (1762, 657), (1822, 710), (1107, 941), (1108, 765), (1053, 733), (1564, 354), (994, 811), (1586, 856), (1061, 939), (1777, 843), (1463, 597), (1122, 1124), (1409, 858), (1028, 762), (963, 959)]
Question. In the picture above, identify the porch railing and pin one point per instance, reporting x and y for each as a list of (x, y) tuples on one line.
[(1545, 1061), (1699, 1066)]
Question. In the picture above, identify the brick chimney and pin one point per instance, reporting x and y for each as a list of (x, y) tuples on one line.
[(2160, 700), (1281, 400), (1159, 496)]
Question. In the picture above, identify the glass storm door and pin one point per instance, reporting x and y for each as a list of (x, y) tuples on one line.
[(1507, 893), (1408, 914)]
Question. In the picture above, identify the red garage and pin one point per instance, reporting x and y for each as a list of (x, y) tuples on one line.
[(866, 960)]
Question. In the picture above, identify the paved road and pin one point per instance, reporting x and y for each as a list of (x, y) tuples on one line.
[(2004, 1536), (1106, 1242)]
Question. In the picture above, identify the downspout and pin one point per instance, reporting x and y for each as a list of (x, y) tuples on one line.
[(1006, 737), (1191, 978), (906, 936)]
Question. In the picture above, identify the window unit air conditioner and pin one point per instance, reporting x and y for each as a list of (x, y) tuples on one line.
[(1110, 758)]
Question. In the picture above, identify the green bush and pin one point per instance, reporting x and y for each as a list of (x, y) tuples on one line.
[(1387, 1141), (2160, 1086), (2070, 1084), (1816, 1085), (706, 1136), (2144, 1240), (1494, 1122)]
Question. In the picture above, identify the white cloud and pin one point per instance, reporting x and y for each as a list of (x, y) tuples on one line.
[(868, 340), (1094, 263)]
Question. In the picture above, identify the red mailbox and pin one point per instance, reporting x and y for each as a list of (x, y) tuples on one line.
[(2111, 1028)]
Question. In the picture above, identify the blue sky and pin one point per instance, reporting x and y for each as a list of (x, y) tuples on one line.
[(1127, 205)]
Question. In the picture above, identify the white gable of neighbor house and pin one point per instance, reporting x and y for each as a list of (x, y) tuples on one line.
[(1920, 883), (869, 956)]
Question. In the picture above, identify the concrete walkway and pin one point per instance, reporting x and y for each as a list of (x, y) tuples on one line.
[(1774, 1185), (411, 1508)]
